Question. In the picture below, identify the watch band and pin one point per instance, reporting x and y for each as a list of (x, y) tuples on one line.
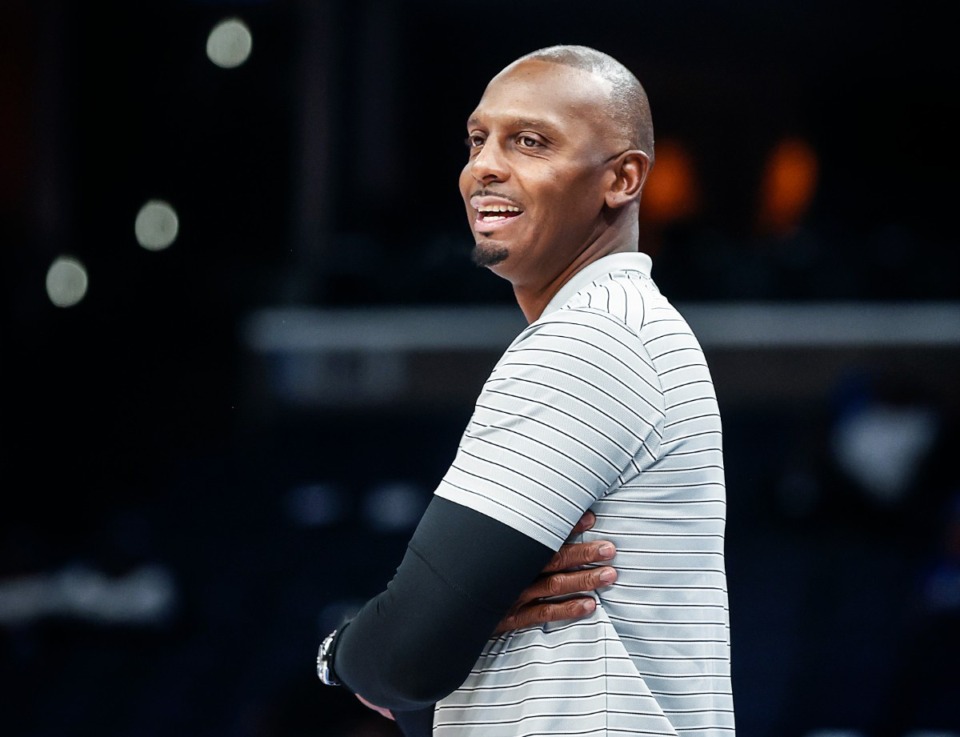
[(325, 670)]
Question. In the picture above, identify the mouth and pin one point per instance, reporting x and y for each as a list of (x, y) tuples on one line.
[(493, 212), (497, 213)]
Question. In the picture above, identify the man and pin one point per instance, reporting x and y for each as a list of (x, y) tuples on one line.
[(604, 404)]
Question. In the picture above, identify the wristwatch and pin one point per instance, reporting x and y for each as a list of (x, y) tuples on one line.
[(325, 661)]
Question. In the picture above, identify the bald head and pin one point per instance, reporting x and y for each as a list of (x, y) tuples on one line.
[(629, 108)]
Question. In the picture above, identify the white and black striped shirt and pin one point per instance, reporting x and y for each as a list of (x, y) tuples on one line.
[(604, 403)]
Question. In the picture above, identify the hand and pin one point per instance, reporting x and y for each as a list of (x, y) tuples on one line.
[(560, 576), (379, 709)]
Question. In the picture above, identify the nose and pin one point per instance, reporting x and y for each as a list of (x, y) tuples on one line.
[(489, 165)]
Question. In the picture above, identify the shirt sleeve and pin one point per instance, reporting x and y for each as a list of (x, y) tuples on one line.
[(416, 641), (573, 410)]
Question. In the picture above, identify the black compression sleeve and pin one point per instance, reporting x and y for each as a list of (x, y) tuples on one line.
[(417, 723), (415, 642)]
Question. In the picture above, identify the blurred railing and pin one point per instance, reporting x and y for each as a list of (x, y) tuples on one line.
[(307, 357)]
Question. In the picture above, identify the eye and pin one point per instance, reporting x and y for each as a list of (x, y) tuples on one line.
[(528, 142), (474, 140)]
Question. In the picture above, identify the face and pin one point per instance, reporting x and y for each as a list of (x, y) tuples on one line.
[(540, 145)]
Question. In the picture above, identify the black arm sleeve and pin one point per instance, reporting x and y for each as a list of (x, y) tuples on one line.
[(415, 642)]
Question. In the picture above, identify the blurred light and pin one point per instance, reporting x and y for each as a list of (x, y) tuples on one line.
[(229, 43), (147, 595), (156, 225), (941, 590), (315, 505), (673, 191), (66, 282), (394, 507), (882, 447), (788, 185)]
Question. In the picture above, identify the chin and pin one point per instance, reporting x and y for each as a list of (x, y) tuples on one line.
[(489, 254)]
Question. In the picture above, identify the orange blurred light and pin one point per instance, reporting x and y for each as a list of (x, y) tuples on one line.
[(787, 188), (672, 192)]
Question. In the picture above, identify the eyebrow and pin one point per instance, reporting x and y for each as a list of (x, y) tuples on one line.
[(536, 123)]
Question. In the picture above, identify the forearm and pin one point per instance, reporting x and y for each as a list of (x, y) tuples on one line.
[(415, 642)]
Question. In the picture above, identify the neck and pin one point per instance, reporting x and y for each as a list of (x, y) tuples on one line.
[(534, 298)]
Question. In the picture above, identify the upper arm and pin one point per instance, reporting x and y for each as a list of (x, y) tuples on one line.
[(572, 408)]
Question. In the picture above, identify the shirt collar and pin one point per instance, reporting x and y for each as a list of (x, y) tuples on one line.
[(632, 261)]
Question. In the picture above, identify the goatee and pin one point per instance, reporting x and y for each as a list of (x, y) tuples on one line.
[(488, 254)]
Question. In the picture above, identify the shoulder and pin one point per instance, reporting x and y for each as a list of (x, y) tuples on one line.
[(597, 325), (581, 355), (580, 334)]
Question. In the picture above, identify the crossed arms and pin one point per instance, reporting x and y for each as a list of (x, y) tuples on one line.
[(416, 642)]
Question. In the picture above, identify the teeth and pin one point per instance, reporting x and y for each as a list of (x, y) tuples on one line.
[(499, 208)]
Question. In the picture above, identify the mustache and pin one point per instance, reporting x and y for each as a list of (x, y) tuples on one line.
[(483, 192)]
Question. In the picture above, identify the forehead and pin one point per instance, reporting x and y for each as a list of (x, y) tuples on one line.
[(557, 94)]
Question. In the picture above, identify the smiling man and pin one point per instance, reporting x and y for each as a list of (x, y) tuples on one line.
[(603, 405)]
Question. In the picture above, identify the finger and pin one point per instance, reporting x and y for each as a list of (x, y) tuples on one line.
[(547, 611), (558, 584), (379, 709), (586, 521), (574, 555)]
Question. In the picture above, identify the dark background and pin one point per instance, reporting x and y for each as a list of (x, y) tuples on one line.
[(322, 174)]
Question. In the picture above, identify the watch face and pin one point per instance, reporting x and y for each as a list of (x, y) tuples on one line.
[(322, 670), (325, 661)]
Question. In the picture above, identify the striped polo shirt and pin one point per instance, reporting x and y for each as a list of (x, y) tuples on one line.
[(604, 403)]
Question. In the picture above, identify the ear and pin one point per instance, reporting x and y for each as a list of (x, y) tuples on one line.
[(631, 170)]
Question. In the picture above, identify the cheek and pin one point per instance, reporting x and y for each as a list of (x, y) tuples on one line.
[(466, 182), (573, 191), (585, 195), (575, 204)]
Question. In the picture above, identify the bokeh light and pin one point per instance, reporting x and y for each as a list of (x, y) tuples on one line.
[(789, 184), (394, 506), (66, 282), (157, 225), (229, 43), (673, 190)]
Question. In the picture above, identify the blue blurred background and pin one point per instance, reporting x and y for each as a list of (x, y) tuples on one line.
[(242, 335)]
